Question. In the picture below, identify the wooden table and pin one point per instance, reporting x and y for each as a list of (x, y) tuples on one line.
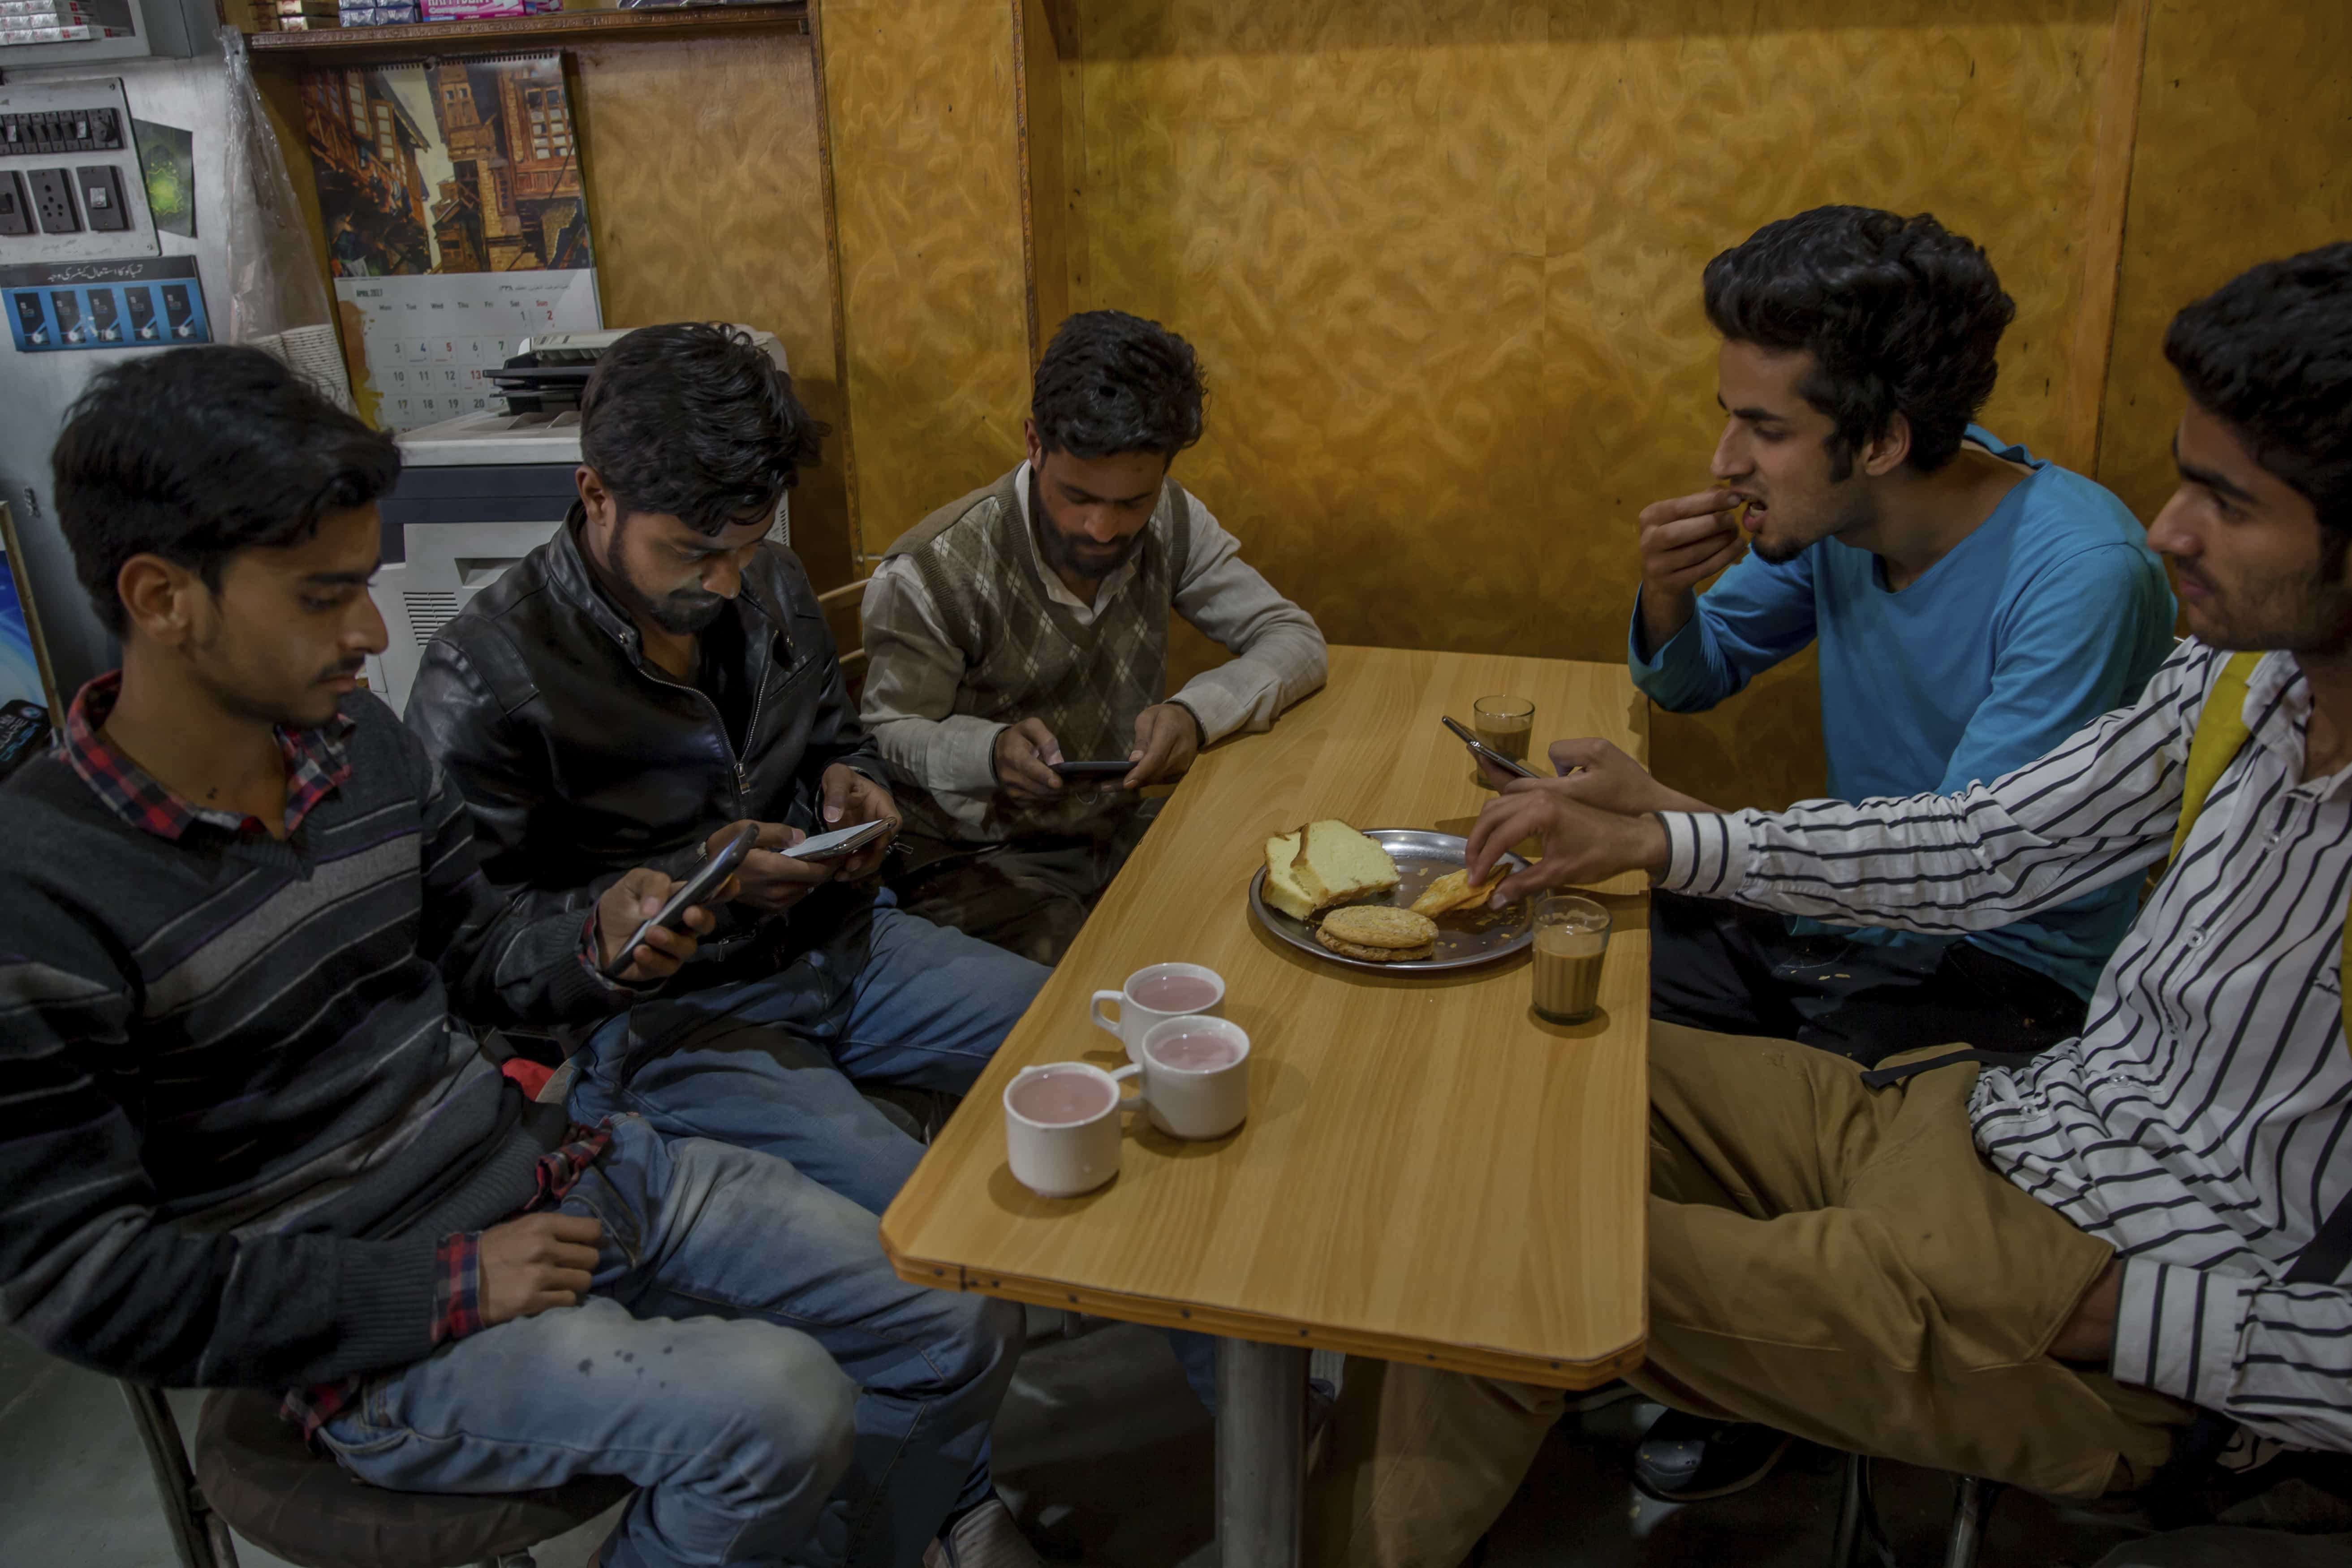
[(1428, 1173)]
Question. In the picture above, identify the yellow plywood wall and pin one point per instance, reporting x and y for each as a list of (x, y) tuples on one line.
[(923, 113), (1442, 263), (2244, 154)]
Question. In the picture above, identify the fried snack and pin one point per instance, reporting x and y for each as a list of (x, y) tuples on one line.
[(1377, 955), (1379, 926), (1453, 892)]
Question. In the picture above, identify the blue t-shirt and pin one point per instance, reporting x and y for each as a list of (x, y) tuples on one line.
[(2051, 613)]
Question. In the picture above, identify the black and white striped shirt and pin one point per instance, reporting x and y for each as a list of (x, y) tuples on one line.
[(2196, 1123)]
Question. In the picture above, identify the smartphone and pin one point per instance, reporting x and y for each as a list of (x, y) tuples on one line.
[(1098, 770), (1486, 754), (696, 891), (838, 844)]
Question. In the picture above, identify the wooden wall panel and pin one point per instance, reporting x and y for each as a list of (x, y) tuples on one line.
[(921, 109), (2244, 154), (706, 202), (1442, 263)]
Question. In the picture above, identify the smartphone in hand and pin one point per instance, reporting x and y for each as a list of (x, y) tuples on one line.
[(838, 844), (694, 892), (1486, 754)]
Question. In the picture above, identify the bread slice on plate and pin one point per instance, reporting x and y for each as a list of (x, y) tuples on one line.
[(1322, 864)]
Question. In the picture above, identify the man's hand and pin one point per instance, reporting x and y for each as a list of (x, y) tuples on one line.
[(1167, 739), (768, 881), (537, 1262), (1598, 774), (627, 904), (2090, 1334), (1685, 541), (1023, 751), (850, 798), (1581, 844)]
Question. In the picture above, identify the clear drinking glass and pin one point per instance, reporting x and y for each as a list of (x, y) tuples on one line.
[(1501, 724), (1571, 948)]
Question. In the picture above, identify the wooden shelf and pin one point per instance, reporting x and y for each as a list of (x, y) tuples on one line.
[(552, 28)]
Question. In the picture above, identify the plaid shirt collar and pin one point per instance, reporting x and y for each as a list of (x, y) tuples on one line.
[(316, 763)]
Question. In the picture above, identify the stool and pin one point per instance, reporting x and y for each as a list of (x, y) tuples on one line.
[(1861, 1540), (255, 1471)]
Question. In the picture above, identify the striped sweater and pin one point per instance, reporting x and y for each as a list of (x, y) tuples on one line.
[(2200, 1123), (237, 1114)]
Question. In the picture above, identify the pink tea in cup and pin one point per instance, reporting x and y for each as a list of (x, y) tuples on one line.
[(1205, 1051), (1060, 1098), (1175, 994)]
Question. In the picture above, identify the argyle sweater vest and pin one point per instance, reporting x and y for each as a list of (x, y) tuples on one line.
[(1027, 656)]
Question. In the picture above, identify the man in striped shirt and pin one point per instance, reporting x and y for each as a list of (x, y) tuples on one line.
[(247, 1145), (2034, 1273)]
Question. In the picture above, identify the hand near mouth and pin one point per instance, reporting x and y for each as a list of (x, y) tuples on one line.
[(1685, 541)]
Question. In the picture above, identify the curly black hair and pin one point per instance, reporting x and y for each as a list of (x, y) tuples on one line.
[(2268, 353), (197, 454), (1112, 383), (691, 419), (1901, 315)]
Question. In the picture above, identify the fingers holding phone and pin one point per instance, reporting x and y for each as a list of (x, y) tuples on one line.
[(640, 937)]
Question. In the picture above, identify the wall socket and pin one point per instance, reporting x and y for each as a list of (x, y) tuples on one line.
[(53, 201), (16, 207)]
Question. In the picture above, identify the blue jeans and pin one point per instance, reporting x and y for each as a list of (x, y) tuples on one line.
[(774, 1063), (745, 1356)]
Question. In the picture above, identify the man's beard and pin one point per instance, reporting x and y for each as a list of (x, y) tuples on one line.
[(2303, 614), (680, 614), (1063, 556)]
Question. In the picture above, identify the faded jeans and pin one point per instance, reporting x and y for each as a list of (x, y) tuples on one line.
[(745, 1356)]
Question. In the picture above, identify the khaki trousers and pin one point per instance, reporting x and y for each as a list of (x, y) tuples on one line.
[(1826, 1258)]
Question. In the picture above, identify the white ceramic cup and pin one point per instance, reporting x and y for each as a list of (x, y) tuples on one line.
[(1137, 1019), (1062, 1158), (1191, 1102)]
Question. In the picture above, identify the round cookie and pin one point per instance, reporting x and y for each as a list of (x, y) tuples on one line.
[(1378, 925), (1378, 954)]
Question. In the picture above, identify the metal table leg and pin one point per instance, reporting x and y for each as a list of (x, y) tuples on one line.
[(1261, 1453)]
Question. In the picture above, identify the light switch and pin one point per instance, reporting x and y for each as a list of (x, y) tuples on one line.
[(102, 198), (16, 207)]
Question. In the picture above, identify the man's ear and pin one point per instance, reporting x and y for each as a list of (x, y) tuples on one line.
[(1036, 447), (161, 599), (1887, 451), (595, 497)]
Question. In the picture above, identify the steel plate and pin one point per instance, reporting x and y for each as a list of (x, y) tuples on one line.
[(1463, 941)]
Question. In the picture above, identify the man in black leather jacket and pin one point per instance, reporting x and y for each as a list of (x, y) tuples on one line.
[(636, 688), (658, 673)]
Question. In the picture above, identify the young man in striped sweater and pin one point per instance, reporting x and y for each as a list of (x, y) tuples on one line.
[(2034, 1271), (248, 1145)]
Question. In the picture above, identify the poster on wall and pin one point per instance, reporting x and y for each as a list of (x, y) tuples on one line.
[(456, 224), (142, 302), (28, 696)]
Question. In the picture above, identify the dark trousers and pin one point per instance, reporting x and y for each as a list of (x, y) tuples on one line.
[(1738, 970)]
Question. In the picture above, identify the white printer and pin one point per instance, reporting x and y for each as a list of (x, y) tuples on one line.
[(477, 494)]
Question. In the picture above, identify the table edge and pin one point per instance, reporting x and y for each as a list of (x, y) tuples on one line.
[(1549, 1372)]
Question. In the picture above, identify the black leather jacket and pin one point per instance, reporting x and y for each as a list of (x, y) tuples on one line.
[(579, 760)]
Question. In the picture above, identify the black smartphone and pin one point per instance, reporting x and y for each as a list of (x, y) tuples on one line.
[(180, 309), (838, 844), (1486, 754), (68, 311), (102, 316), (143, 313), (1105, 769), (695, 891)]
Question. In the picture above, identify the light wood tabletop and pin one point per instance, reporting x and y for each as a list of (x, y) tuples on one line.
[(1428, 1172)]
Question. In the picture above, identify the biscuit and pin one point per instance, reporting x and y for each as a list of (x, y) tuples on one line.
[(1453, 892), (1378, 954), (1379, 925)]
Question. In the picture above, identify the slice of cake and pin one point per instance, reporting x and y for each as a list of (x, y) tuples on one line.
[(1322, 864)]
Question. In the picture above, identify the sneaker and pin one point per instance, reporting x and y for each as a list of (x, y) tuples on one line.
[(1688, 1458), (983, 1537)]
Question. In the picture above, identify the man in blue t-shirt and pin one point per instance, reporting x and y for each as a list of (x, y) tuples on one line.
[(1974, 604)]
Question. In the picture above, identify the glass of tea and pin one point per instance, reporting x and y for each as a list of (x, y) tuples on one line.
[(1503, 725), (1571, 945)]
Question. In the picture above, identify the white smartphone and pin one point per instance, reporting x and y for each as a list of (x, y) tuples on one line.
[(838, 844)]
